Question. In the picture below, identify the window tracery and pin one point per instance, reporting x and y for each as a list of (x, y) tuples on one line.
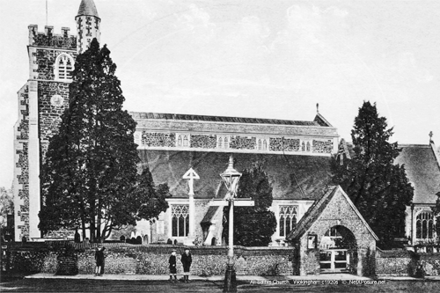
[(180, 220)]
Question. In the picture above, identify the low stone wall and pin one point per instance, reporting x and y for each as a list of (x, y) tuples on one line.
[(124, 258), (396, 263), (430, 263)]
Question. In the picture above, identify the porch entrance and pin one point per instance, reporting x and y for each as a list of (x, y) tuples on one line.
[(338, 251)]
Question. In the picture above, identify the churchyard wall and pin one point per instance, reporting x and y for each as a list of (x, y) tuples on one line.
[(407, 263), (122, 258)]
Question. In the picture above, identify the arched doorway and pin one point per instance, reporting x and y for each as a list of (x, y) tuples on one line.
[(338, 251)]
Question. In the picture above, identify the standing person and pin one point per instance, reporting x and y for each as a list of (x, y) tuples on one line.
[(99, 257), (77, 236), (186, 262), (173, 269)]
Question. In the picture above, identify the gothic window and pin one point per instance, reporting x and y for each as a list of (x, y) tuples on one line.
[(179, 141), (180, 220), (264, 145), (287, 219), (424, 225), (308, 146), (64, 67), (259, 144), (220, 143), (303, 146), (185, 141), (226, 143)]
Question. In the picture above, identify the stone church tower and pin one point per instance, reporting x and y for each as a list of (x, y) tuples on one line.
[(41, 101), (87, 24)]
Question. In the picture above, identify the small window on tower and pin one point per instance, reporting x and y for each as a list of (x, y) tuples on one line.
[(64, 67)]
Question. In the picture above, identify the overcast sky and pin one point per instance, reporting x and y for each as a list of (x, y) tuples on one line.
[(256, 58)]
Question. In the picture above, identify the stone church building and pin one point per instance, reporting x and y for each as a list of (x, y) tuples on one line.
[(296, 153), (296, 156)]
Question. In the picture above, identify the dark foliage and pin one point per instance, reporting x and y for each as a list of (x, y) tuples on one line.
[(378, 187), (436, 210), (89, 176), (253, 226)]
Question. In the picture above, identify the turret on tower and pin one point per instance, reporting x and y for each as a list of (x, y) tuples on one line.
[(87, 23)]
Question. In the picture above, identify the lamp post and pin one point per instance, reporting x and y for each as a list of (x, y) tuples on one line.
[(231, 177)]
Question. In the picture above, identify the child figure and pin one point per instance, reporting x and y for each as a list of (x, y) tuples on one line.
[(99, 257), (173, 270)]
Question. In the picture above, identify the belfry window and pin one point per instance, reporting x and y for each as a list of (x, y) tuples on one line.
[(425, 225), (287, 219), (63, 67), (180, 220)]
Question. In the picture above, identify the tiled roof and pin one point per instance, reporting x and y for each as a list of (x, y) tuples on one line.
[(318, 207), (312, 214), (204, 118), (87, 7), (322, 121), (312, 173), (210, 213), (423, 171)]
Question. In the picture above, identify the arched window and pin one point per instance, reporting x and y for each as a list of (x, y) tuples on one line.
[(287, 219), (185, 141), (308, 146), (220, 143), (264, 145), (180, 220), (425, 225), (303, 146), (179, 140), (226, 143), (64, 67), (259, 144)]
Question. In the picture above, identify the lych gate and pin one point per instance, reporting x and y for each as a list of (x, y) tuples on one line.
[(333, 237)]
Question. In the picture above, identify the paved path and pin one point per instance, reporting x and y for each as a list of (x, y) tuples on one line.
[(321, 277), (212, 278), (334, 283)]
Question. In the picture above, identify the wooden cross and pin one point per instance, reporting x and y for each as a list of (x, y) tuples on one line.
[(238, 202), (190, 175)]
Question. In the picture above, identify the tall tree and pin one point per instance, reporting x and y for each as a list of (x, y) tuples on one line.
[(378, 187), (248, 227), (89, 175)]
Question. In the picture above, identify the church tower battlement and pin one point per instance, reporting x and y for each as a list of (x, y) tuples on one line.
[(87, 23), (49, 39)]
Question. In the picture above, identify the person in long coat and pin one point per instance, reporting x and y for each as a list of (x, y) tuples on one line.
[(173, 269), (186, 262), (99, 258)]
